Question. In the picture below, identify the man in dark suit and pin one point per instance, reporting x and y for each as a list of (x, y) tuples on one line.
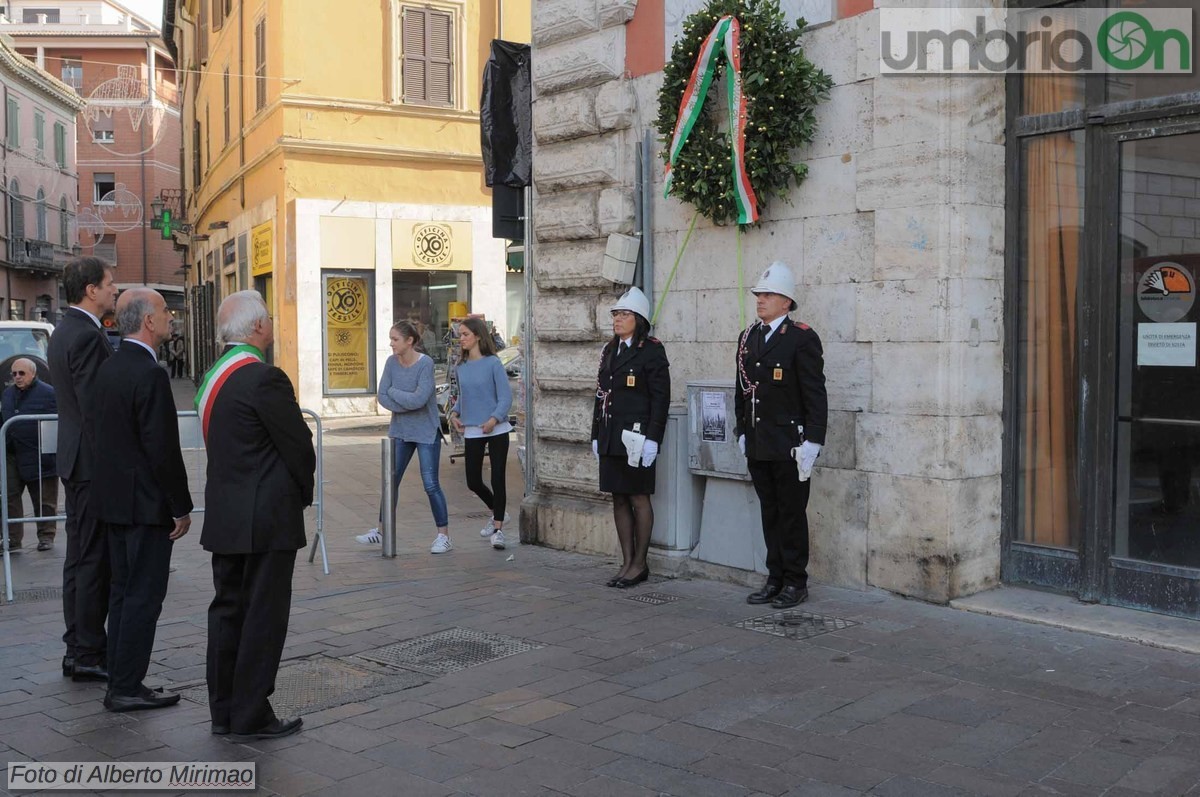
[(781, 410), (28, 469), (78, 346), (260, 478), (139, 493)]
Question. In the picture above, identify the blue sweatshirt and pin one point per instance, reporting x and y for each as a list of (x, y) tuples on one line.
[(411, 396), (483, 391)]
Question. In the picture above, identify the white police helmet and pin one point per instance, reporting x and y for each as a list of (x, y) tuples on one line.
[(777, 278), (635, 301)]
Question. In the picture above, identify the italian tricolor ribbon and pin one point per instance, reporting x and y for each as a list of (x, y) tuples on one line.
[(724, 35), (236, 358)]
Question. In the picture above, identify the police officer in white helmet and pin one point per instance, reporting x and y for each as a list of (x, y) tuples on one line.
[(781, 417), (633, 394)]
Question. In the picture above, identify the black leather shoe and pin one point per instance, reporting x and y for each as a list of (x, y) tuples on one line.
[(789, 596), (764, 595), (89, 672), (275, 729), (625, 583), (143, 701), (44, 545), (612, 582), (68, 665), (220, 730)]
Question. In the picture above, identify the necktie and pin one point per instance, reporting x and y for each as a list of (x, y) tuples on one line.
[(622, 349), (762, 336)]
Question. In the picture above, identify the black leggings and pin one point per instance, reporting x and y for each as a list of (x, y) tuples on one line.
[(497, 447)]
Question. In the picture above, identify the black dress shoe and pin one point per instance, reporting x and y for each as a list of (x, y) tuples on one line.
[(275, 729), (89, 672), (789, 596), (145, 700), (220, 730), (68, 665), (625, 583), (612, 582), (764, 595)]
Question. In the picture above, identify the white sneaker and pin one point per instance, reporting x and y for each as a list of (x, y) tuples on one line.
[(442, 545), (372, 537), (498, 540), (490, 529)]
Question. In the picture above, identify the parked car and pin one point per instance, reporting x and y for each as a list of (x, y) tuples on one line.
[(29, 339)]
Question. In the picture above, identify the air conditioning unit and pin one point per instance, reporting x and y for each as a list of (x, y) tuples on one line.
[(620, 258)]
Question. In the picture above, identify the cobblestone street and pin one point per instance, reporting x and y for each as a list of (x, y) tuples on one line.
[(605, 694)]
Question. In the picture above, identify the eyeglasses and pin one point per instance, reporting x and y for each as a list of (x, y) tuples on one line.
[(18, 373), (622, 314)]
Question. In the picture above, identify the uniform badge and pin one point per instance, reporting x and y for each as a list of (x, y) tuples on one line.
[(778, 375), (630, 381)]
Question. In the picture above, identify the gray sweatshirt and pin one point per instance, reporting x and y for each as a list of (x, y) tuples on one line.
[(411, 396)]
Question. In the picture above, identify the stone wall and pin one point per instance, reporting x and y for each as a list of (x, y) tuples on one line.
[(896, 239)]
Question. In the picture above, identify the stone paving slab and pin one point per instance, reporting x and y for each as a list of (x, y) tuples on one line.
[(626, 698)]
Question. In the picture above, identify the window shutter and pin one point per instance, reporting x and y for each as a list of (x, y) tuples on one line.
[(39, 133), (16, 210), (260, 65), (414, 56), (60, 145), (202, 32), (218, 14), (14, 124), (440, 59)]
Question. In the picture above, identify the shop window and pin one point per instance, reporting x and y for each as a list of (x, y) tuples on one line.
[(348, 322)]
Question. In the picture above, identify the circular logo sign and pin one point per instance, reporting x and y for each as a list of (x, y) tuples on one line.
[(346, 300), (1166, 292), (432, 245)]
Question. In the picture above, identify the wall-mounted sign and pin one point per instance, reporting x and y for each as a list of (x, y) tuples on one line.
[(431, 245), (348, 361), (1166, 292), (1167, 344), (261, 244)]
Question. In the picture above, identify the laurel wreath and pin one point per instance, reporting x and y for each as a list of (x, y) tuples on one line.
[(782, 89)]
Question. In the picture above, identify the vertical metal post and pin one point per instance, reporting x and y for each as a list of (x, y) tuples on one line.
[(4, 509), (527, 344), (388, 521), (646, 217)]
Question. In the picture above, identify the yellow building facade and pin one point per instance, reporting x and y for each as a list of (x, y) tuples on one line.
[(332, 161)]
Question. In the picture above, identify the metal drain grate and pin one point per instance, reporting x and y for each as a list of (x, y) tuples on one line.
[(792, 624), (654, 598), (38, 594), (448, 651), (309, 685)]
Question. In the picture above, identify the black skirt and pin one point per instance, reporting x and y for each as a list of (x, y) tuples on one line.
[(617, 477)]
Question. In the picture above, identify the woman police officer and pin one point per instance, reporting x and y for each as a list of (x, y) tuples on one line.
[(633, 392)]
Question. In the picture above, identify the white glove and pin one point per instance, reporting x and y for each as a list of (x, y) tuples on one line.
[(742, 443), (596, 449), (808, 455), (649, 453)]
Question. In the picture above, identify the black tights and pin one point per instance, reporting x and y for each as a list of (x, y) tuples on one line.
[(497, 448), (634, 517)]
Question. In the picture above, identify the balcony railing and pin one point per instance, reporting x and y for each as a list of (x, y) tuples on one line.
[(34, 255)]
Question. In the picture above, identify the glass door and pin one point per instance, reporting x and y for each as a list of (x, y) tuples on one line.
[(1154, 556)]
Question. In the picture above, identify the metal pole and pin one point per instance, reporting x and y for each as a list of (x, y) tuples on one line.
[(388, 521), (527, 341), (646, 218), (8, 588)]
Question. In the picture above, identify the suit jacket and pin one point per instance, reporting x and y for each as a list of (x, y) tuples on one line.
[(138, 477), (260, 465), (77, 348), (788, 380), (37, 399), (645, 402)]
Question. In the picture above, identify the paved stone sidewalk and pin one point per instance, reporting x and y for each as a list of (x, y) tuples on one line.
[(619, 697)]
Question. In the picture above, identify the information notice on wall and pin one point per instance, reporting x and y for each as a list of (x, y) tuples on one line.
[(1167, 344), (347, 340)]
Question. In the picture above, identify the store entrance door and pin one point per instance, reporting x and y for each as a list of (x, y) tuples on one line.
[(1154, 556)]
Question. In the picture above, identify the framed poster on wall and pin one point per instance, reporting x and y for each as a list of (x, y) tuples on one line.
[(349, 363)]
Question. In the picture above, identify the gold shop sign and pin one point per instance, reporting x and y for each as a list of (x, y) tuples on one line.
[(262, 239), (431, 245)]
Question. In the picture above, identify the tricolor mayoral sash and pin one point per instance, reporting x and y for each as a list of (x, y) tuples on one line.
[(236, 358)]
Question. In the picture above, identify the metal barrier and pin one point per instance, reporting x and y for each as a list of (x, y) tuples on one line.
[(191, 438)]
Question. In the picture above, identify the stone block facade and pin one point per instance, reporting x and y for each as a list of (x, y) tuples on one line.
[(896, 238)]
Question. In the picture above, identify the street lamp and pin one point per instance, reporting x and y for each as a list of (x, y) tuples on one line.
[(156, 207)]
